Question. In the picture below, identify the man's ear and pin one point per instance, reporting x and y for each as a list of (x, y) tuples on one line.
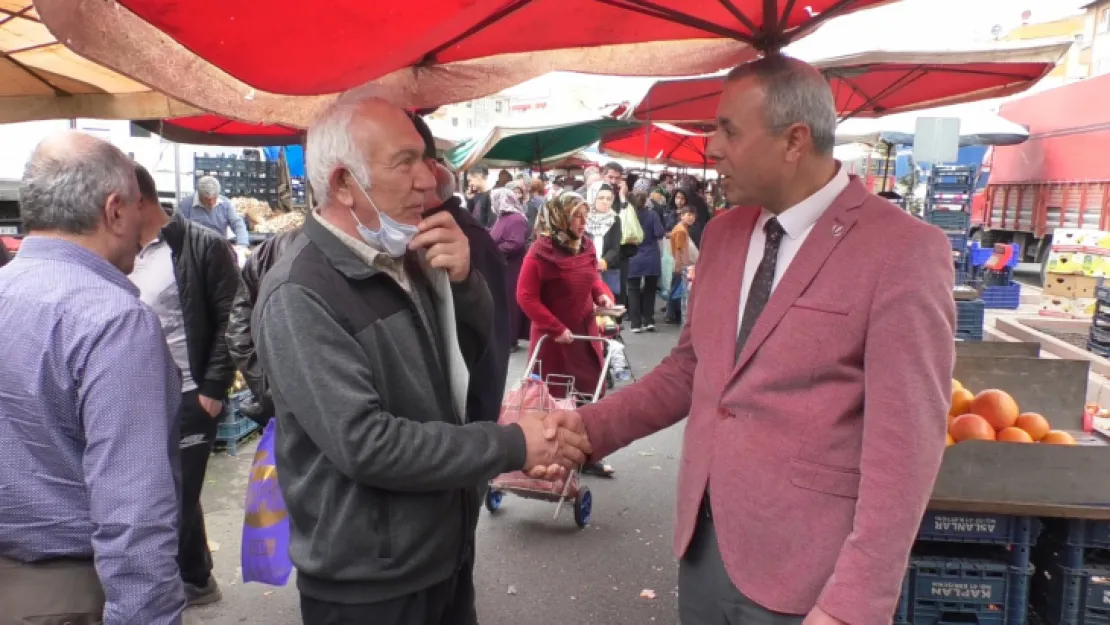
[(113, 213), (341, 181)]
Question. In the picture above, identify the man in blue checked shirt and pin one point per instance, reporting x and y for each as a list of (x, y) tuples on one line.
[(213, 211), (88, 405)]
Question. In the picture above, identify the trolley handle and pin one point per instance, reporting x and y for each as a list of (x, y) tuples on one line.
[(575, 337)]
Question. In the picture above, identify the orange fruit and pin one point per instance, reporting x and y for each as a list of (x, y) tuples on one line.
[(961, 402), (1035, 424), (971, 426), (997, 407), (948, 440), (1014, 435), (1058, 437), (956, 384)]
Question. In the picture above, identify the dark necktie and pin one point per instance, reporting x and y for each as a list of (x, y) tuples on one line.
[(760, 290)]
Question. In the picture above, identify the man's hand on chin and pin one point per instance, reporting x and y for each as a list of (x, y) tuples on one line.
[(817, 616), (447, 246)]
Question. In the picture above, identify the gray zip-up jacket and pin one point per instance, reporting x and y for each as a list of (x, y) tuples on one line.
[(378, 470)]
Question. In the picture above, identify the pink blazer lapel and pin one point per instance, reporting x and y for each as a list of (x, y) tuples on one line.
[(827, 233), (722, 279)]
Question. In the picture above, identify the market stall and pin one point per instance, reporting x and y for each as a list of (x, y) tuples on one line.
[(538, 145)]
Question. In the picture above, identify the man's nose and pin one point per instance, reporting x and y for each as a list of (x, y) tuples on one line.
[(424, 180), (713, 147)]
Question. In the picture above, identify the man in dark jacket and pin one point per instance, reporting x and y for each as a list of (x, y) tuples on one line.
[(188, 275), (367, 328), (239, 339), (477, 196)]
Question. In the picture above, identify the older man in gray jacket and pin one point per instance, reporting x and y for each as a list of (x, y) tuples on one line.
[(208, 208), (367, 327)]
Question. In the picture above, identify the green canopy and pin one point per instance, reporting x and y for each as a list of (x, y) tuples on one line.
[(517, 146)]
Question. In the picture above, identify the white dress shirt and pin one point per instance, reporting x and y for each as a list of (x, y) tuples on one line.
[(796, 221)]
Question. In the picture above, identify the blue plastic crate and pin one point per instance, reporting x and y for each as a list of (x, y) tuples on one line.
[(969, 320), (1100, 335), (958, 241), (1067, 596), (1008, 297), (1073, 543), (1103, 294), (1098, 350), (980, 255), (232, 430), (950, 221), (987, 592), (986, 529)]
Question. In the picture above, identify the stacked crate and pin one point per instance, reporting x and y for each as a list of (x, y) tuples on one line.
[(971, 568), (234, 426), (970, 317), (997, 286), (1077, 264), (246, 176), (1072, 583), (948, 207), (1099, 340)]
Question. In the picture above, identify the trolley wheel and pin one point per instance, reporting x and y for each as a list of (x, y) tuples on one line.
[(583, 506), (493, 499)]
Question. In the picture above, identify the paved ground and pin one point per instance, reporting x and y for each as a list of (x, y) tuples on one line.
[(531, 569)]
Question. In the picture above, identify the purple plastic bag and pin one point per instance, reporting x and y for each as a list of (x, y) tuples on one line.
[(265, 554)]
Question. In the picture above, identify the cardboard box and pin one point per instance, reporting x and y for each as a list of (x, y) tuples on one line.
[(1077, 239), (1079, 264), (1070, 286), (1061, 307), (1028, 480), (1084, 307)]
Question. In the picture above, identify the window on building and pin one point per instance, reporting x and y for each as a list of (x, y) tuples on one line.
[(139, 131), (1103, 21), (469, 105), (497, 106), (454, 121)]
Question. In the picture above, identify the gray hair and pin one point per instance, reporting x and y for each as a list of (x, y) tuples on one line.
[(208, 187), (68, 180), (331, 146), (796, 94)]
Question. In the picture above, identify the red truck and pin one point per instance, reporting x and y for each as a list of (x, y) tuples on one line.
[(1059, 178)]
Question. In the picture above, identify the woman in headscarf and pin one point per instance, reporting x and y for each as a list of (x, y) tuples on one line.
[(604, 227), (644, 268), (510, 233), (559, 289)]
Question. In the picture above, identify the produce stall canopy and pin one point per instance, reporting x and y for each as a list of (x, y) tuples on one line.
[(661, 144), (881, 82), (419, 53), (42, 79), (216, 130), (514, 146), (975, 129)]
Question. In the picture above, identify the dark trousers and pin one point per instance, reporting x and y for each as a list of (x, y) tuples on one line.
[(674, 305), (198, 437), (447, 603), (706, 595), (54, 592), (641, 300)]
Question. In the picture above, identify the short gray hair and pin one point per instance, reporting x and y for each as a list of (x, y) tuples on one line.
[(331, 145), (68, 180), (208, 187), (796, 94)]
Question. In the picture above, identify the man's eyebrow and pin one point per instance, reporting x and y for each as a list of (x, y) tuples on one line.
[(723, 121), (408, 153)]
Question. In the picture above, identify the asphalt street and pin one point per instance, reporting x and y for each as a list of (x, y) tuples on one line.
[(531, 568)]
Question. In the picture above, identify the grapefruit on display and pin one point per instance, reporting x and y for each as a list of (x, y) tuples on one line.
[(1058, 437), (997, 407), (1033, 423), (948, 440), (961, 402), (971, 427), (1014, 435), (956, 384)]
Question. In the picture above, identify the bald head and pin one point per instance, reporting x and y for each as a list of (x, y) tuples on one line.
[(68, 181)]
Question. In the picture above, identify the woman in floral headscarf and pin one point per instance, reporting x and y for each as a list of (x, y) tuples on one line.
[(510, 233), (559, 289)]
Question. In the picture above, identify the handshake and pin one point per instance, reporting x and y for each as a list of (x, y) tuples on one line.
[(556, 443)]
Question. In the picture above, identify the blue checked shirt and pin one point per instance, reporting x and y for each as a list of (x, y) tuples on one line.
[(88, 429)]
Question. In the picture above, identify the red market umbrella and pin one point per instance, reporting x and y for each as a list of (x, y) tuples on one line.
[(418, 53), (664, 144), (217, 130), (880, 82)]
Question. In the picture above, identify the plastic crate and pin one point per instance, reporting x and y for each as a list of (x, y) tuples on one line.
[(980, 255), (951, 221), (969, 320), (958, 241), (982, 591), (1067, 596), (987, 529), (1102, 293), (1100, 335), (1098, 350), (1069, 540), (1008, 296)]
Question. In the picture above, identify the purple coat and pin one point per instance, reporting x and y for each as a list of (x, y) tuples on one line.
[(510, 233)]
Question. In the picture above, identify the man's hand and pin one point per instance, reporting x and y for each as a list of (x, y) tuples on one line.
[(566, 337), (212, 406), (556, 424), (446, 244), (624, 190), (553, 455), (817, 616)]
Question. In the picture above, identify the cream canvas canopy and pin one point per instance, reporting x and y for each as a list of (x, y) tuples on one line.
[(42, 79)]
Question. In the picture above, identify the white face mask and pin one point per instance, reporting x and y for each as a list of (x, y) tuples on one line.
[(391, 237)]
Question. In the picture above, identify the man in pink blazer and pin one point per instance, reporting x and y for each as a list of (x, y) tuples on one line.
[(815, 369)]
